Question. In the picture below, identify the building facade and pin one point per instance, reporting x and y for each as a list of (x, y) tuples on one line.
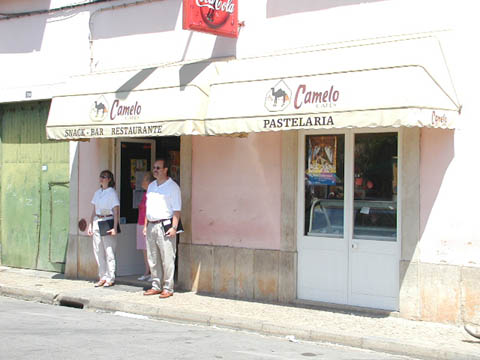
[(324, 155)]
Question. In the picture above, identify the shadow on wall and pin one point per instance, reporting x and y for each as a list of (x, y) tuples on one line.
[(124, 90), (288, 7), (437, 152), (28, 30), (187, 74), (134, 20), (224, 47)]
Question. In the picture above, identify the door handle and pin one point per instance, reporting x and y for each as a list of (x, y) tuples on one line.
[(37, 219), (354, 245)]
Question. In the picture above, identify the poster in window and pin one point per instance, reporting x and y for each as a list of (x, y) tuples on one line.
[(174, 171), (138, 167), (322, 160)]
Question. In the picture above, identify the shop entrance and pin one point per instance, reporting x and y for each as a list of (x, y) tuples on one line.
[(348, 240), (134, 158)]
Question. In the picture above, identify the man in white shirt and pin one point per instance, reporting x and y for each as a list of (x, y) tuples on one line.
[(164, 203)]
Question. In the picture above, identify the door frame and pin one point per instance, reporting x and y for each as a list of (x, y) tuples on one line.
[(129, 259), (348, 198)]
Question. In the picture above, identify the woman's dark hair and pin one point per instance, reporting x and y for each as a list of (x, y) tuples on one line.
[(111, 181)]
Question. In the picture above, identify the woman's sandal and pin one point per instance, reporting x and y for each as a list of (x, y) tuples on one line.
[(109, 283), (100, 283)]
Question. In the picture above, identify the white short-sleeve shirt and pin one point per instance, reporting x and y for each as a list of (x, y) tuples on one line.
[(105, 201), (163, 200)]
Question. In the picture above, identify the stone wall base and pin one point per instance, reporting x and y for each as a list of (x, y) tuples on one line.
[(265, 275), (80, 263), (429, 292), (440, 293)]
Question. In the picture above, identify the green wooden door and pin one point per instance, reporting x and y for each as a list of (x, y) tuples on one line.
[(34, 190), (21, 212)]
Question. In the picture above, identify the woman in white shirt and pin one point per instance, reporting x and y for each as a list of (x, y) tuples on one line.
[(105, 206)]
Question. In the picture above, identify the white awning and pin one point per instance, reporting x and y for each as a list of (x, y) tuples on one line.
[(404, 82), (398, 83), (163, 101)]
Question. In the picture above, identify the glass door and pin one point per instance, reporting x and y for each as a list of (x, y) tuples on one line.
[(375, 187), (347, 244), (374, 259), (322, 244)]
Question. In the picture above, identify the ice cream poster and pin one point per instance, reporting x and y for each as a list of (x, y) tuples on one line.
[(322, 160), (136, 166)]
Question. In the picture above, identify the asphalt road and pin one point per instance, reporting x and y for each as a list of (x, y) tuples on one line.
[(36, 331)]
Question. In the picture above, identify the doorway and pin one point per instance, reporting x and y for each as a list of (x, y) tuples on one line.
[(135, 157), (35, 194), (348, 229)]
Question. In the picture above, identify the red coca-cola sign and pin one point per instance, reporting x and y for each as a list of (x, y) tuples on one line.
[(219, 17)]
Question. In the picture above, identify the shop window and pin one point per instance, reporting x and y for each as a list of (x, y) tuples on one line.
[(324, 185), (375, 186), (136, 160)]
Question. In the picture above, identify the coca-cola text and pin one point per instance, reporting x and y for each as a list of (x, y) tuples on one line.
[(227, 6)]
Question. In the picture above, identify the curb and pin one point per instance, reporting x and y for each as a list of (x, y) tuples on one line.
[(238, 323), (45, 297), (369, 343), (416, 350)]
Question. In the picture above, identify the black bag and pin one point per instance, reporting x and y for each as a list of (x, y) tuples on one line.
[(167, 224), (107, 225)]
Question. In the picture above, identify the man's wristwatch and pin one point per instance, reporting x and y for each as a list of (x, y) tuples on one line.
[(174, 227)]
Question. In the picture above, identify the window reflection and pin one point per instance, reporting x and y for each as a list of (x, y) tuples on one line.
[(375, 187), (324, 185)]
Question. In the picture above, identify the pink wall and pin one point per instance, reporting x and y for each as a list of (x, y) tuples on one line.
[(91, 157), (236, 191), (436, 154)]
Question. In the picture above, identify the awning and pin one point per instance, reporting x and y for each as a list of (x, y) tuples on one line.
[(389, 84), (160, 101), (403, 82)]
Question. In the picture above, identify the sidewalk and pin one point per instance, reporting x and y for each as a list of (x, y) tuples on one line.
[(375, 332)]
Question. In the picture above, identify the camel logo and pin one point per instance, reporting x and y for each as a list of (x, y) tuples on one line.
[(278, 97), (98, 111)]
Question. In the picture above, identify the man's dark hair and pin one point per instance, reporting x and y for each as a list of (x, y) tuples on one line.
[(166, 161)]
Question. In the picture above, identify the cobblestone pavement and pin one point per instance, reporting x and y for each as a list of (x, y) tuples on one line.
[(364, 330)]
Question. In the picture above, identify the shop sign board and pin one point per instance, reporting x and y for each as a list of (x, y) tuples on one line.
[(141, 114), (218, 17), (361, 99)]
